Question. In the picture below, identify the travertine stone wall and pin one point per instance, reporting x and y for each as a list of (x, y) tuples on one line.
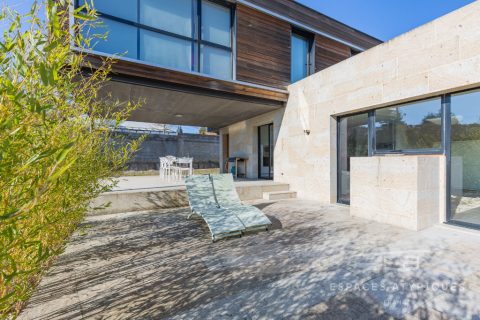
[(439, 57), (244, 139), (406, 191)]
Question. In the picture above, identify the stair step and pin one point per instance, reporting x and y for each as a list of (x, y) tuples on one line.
[(279, 195)]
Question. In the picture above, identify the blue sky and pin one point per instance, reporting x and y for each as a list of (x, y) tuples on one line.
[(19, 5), (385, 19)]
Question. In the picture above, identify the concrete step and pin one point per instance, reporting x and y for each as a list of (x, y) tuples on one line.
[(279, 195), (173, 197)]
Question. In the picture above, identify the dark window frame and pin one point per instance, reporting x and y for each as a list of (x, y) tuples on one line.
[(447, 132), (271, 146), (372, 145), (370, 141), (310, 37), (446, 150), (426, 151), (196, 36)]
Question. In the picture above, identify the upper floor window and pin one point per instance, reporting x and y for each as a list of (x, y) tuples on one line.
[(302, 61), (188, 35)]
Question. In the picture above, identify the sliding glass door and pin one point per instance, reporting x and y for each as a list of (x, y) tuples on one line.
[(352, 142), (465, 158), (265, 151)]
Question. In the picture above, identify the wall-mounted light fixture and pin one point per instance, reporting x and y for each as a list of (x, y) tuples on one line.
[(307, 132)]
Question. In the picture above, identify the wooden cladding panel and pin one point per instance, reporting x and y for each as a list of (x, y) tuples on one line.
[(318, 21), (329, 52), (140, 70), (263, 48)]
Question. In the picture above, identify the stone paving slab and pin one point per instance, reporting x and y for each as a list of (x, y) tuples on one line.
[(316, 263)]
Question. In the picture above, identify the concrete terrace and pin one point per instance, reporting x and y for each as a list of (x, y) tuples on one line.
[(316, 263)]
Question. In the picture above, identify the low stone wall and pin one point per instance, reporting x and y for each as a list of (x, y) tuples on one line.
[(173, 197), (406, 191), (202, 148)]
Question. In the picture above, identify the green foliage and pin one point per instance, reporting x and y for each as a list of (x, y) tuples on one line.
[(56, 153)]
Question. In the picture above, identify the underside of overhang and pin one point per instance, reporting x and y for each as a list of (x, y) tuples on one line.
[(170, 105)]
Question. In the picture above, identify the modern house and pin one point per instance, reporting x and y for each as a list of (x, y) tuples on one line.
[(391, 129), (216, 63)]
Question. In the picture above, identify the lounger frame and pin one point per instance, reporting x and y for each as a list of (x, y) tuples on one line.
[(214, 197)]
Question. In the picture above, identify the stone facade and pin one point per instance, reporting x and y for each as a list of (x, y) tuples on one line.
[(243, 139), (406, 191), (440, 57), (202, 148)]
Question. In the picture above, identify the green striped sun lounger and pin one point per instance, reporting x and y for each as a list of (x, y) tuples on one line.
[(221, 223), (227, 198)]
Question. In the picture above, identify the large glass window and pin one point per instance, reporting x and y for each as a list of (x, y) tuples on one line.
[(352, 142), (409, 128), (215, 62), (115, 43), (174, 16), (215, 55), (216, 23), (465, 158), (417, 128), (124, 9), (301, 57), (188, 35), (412, 126), (164, 50)]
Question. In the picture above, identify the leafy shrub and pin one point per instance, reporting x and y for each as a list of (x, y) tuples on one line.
[(55, 149)]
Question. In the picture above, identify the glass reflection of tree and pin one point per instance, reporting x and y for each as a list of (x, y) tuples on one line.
[(428, 134), (465, 132), (423, 135), (357, 137), (394, 132), (385, 128), (357, 143)]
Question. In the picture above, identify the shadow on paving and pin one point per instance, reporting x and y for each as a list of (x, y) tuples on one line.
[(316, 263)]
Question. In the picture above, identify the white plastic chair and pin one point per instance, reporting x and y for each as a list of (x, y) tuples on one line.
[(183, 167), (167, 167)]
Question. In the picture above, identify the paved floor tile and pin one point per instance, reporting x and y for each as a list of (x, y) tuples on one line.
[(316, 263)]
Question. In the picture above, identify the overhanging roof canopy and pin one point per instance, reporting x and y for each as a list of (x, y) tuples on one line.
[(186, 107)]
